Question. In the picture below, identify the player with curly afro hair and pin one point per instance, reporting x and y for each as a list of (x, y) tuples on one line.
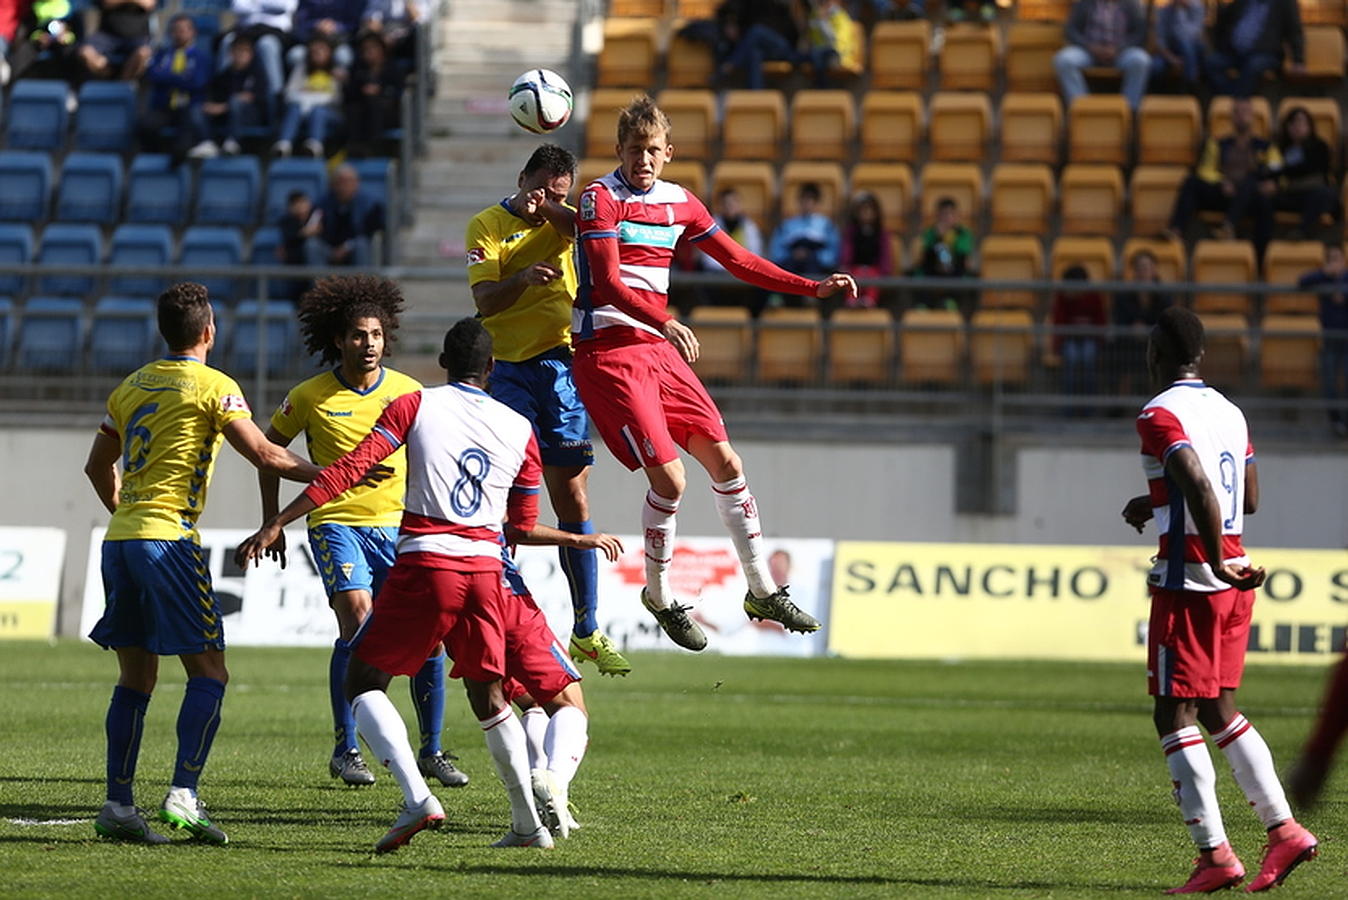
[(329, 307)]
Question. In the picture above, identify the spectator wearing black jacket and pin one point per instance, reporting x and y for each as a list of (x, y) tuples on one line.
[(239, 95), (757, 32), (1303, 180), (372, 94), (1249, 37), (1332, 281)]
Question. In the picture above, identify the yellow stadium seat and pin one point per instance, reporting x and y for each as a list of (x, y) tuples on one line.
[(829, 178), (1168, 130), (1030, 47), (962, 182), (970, 58), (696, 9), (1224, 262), (1152, 196), (754, 124), (592, 168), (1219, 116), (823, 125), (860, 346), (1001, 344), (689, 173), (1324, 12), (1324, 54), (1031, 128), (1100, 129), (1226, 347), (892, 125), (1010, 258), (1096, 254), (1325, 113), (629, 53), (756, 184), (649, 8), (1289, 352), (931, 346), (900, 55), (726, 336), (1284, 263), (689, 64), (1092, 199), (1043, 10), (1171, 263), (959, 126), (1020, 198), (601, 128), (789, 345), (892, 185), (693, 121)]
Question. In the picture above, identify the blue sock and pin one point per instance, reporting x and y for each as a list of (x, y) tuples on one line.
[(428, 696), (125, 722), (343, 722), (198, 719), (582, 573)]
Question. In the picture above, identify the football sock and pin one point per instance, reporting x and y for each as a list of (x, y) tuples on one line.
[(568, 735), (343, 724), (124, 724), (505, 740), (582, 574), (739, 512), (1252, 764), (1333, 721), (198, 719), (535, 722), (1195, 780), (428, 696), (386, 735), (657, 521)]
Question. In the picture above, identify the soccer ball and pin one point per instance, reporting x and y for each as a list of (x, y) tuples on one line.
[(540, 101)]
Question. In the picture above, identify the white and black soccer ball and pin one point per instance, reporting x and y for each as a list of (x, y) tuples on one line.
[(540, 101)]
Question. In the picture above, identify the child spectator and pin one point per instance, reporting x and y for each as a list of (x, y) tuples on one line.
[(866, 248), (1303, 180), (1180, 44), (269, 24), (48, 45), (177, 76), (372, 95), (946, 247), (808, 242), (311, 98), (239, 95), (120, 47), (336, 21), (1332, 281), (1080, 353), (299, 224)]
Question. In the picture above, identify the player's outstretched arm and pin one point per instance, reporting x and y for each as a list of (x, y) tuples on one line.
[(561, 217), (1185, 469), (269, 485), (492, 297), (258, 544), (245, 437), (547, 536), (101, 469), (766, 274)]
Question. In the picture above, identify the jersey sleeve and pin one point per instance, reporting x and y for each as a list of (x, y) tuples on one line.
[(226, 402), (484, 252), (522, 505), (388, 435), (1161, 432), (292, 416), (109, 424), (700, 225), (597, 213)]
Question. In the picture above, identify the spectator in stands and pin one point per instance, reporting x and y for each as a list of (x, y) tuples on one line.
[(734, 221), (1235, 175), (1080, 353), (756, 31), (1303, 181), (120, 47), (835, 41), (337, 21), (48, 47), (239, 96), (372, 95), (299, 224), (349, 221), (311, 98), (947, 245), (1134, 314), (1181, 47), (808, 242), (397, 21), (1110, 34), (958, 11), (177, 76), (866, 248), (1332, 282), (269, 23), (1248, 37)]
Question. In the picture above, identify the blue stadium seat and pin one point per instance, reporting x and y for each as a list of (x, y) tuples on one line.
[(49, 338), (376, 178), (227, 191), (207, 22), (106, 119), (122, 333), (25, 185), (265, 241), (80, 245), (16, 246), (6, 329), (90, 189), (286, 175), (139, 245), (213, 247), (37, 116), (157, 192), (282, 337)]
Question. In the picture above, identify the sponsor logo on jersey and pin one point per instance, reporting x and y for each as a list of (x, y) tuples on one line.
[(337, 413), (476, 255), (233, 403), (587, 206)]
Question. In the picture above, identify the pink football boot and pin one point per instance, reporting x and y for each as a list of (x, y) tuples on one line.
[(1289, 845), (1214, 870)]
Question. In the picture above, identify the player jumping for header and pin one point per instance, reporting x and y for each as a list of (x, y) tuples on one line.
[(633, 356)]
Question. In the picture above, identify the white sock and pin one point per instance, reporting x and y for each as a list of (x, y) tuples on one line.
[(505, 740), (377, 721), (568, 735), (1186, 755), (739, 513), (535, 722), (657, 521), (1252, 764)]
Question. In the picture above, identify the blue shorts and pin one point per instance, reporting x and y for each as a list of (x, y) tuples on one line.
[(159, 598), (541, 390), (353, 557)]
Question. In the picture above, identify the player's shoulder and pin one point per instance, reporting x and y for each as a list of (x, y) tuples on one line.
[(315, 387), (670, 192), (396, 384), (215, 380)]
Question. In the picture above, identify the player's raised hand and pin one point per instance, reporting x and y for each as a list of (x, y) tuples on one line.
[(838, 281), (683, 339), (1138, 513), (528, 202), (540, 273), (1244, 578), (254, 547)]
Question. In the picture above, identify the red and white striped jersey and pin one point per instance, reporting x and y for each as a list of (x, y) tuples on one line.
[(1191, 414)]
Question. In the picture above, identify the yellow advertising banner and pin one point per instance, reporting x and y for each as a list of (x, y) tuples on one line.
[(1057, 602)]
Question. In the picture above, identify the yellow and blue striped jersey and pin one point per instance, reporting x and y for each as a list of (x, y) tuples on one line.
[(335, 417), (500, 244), (169, 416)]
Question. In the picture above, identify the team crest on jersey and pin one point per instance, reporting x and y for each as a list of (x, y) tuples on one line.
[(233, 403), (347, 569), (476, 255), (286, 407), (587, 206)]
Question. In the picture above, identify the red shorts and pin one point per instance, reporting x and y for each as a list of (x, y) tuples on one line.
[(536, 664), (645, 401), (1196, 642)]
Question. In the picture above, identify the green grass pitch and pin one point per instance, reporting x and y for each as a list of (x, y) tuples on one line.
[(706, 776)]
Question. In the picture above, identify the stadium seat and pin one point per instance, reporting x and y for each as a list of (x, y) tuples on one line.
[(157, 192), (1289, 349), (6, 330), (1043, 10), (1001, 345), (962, 182), (601, 128), (1169, 130), (1284, 263), (726, 336), (652, 9), (1219, 116), (756, 184), (1152, 196), (931, 346), (25, 185), (829, 178), (692, 175), (1323, 12), (689, 63), (227, 191), (1020, 199), (1324, 55), (64, 244), (959, 125), (1092, 199), (860, 347), (122, 333), (1030, 47), (754, 125), (696, 9), (1226, 347), (823, 125), (789, 345), (1326, 115), (970, 58), (899, 55), (1096, 254), (293, 174), (16, 247), (1099, 129), (892, 185), (1172, 265), (629, 53), (1031, 128), (262, 252), (139, 245), (892, 126), (592, 168), (693, 117), (90, 189), (281, 337), (51, 334), (1010, 258), (204, 246), (37, 116), (1224, 262), (106, 119)]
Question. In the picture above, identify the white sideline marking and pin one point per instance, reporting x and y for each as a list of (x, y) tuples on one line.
[(30, 822)]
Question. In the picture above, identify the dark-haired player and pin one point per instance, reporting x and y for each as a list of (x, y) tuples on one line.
[(523, 279), (633, 356), (164, 425), (1202, 482), (349, 322)]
